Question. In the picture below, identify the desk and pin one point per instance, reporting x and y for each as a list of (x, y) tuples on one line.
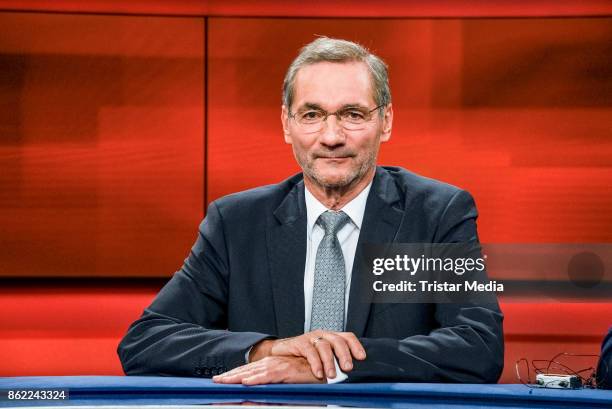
[(166, 391)]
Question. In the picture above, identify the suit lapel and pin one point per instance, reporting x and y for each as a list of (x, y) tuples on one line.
[(382, 218), (287, 254)]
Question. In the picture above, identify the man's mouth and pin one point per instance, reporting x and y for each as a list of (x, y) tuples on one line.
[(332, 157)]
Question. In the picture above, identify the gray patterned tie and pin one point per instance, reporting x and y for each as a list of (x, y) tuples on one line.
[(330, 276)]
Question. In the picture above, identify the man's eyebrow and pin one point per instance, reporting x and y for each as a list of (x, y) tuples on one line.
[(311, 105), (352, 106)]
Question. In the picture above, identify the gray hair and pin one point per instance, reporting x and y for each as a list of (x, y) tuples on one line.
[(325, 49)]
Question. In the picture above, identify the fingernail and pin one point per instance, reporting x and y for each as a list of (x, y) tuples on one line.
[(362, 354), (319, 374), (348, 365), (331, 374)]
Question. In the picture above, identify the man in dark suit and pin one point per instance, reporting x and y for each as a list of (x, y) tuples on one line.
[(269, 292), (604, 368)]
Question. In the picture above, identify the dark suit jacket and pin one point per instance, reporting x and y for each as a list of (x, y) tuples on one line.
[(243, 282), (604, 369)]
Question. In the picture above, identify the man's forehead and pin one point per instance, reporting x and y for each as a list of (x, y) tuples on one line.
[(333, 84)]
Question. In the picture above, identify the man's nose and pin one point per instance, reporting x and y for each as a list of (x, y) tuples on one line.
[(332, 133)]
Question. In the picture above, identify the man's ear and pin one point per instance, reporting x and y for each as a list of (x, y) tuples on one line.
[(387, 123), (285, 122)]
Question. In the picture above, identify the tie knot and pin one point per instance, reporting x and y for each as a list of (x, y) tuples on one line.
[(332, 221)]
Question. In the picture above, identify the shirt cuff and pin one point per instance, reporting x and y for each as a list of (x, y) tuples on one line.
[(248, 353), (340, 376)]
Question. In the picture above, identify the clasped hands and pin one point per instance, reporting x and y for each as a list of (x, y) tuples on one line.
[(308, 358)]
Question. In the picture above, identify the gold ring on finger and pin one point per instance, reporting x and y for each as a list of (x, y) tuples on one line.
[(315, 340)]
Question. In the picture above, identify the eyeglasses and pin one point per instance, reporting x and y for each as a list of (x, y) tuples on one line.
[(312, 120)]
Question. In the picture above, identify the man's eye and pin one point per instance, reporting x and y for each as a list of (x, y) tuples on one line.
[(311, 115), (353, 115)]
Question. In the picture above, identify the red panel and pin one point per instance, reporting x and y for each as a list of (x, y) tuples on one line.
[(329, 8), (66, 331), (101, 154), (540, 331), (514, 110)]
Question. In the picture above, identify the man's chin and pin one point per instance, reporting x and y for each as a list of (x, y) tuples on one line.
[(333, 181), (330, 175)]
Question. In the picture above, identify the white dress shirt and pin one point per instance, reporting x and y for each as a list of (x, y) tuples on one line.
[(348, 237)]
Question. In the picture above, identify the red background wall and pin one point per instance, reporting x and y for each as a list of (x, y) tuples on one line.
[(117, 129)]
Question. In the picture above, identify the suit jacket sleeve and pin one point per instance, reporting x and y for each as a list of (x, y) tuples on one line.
[(468, 344), (604, 369), (184, 331)]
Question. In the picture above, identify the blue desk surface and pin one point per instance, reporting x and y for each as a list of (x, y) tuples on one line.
[(118, 390)]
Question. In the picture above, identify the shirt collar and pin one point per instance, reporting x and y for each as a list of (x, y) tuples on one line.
[(355, 209)]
